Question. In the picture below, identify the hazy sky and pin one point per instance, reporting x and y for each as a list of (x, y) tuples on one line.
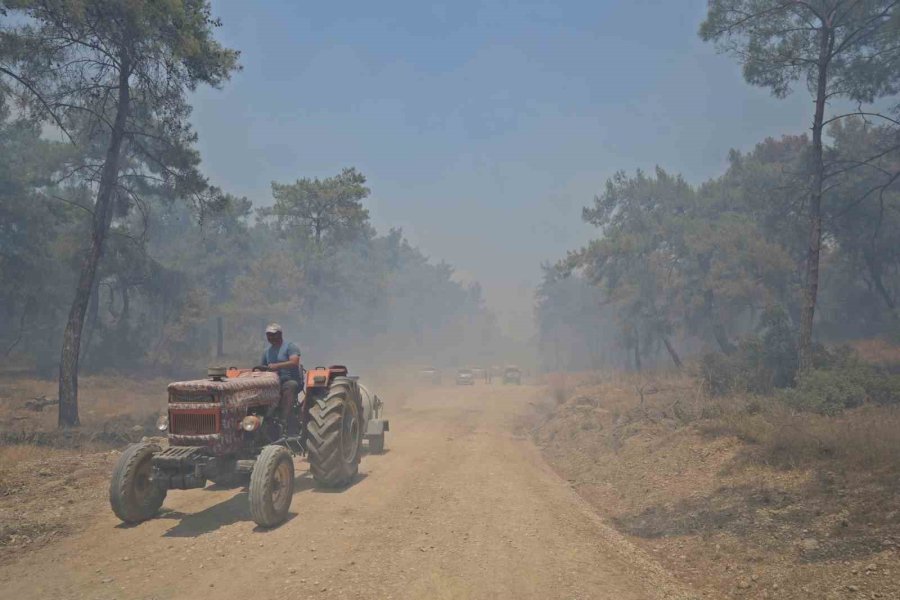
[(483, 127)]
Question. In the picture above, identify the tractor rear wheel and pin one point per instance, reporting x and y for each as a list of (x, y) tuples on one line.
[(335, 436), (132, 494), (271, 486)]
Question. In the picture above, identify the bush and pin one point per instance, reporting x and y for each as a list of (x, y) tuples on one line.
[(881, 387), (720, 374), (767, 363), (884, 389), (752, 369), (777, 351), (762, 363), (826, 392)]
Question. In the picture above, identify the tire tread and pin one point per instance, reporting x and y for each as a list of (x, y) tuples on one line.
[(124, 507), (324, 438), (261, 509)]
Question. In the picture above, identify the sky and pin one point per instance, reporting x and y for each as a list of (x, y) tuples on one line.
[(483, 127)]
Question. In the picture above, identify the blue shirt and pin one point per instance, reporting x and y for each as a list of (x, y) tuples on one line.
[(283, 354)]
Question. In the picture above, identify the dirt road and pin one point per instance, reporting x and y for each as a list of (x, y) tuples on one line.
[(458, 507)]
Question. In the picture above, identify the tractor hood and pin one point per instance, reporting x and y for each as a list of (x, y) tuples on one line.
[(248, 388)]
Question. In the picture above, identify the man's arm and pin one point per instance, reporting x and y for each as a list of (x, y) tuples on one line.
[(292, 361)]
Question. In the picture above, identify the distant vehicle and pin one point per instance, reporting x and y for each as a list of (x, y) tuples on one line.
[(430, 375), (479, 373), (512, 374), (465, 377)]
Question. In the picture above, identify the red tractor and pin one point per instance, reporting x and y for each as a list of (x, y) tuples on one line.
[(227, 427)]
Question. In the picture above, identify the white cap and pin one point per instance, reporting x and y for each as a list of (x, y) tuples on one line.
[(273, 328)]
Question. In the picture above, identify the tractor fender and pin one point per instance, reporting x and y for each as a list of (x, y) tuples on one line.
[(371, 403)]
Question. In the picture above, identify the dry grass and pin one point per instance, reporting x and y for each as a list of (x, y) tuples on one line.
[(42, 468), (722, 489), (623, 403), (866, 438), (18, 453), (14, 455), (114, 412), (559, 386), (877, 352), (101, 399), (669, 398)]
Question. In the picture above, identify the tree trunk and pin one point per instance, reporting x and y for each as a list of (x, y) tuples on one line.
[(815, 204), (718, 329), (875, 274), (103, 212), (21, 329), (671, 350), (93, 318), (721, 336), (637, 351), (126, 307)]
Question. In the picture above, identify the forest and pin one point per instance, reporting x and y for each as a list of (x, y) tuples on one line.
[(701, 401), (765, 270), (118, 255)]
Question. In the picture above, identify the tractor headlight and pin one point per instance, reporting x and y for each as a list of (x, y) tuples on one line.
[(251, 423), (162, 423)]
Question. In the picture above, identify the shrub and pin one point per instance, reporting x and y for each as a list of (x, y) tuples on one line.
[(752, 369), (760, 364), (719, 373), (826, 392), (777, 353), (767, 362), (884, 389), (880, 385)]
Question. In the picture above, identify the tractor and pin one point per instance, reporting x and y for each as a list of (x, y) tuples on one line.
[(227, 427)]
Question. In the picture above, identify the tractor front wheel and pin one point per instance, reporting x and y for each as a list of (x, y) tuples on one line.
[(271, 486), (335, 436), (133, 496)]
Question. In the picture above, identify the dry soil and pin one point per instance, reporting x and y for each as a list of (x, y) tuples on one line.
[(459, 506)]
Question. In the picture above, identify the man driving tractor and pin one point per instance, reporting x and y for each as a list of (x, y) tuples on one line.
[(284, 358)]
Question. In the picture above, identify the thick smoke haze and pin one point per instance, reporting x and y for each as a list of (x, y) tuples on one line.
[(483, 127)]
